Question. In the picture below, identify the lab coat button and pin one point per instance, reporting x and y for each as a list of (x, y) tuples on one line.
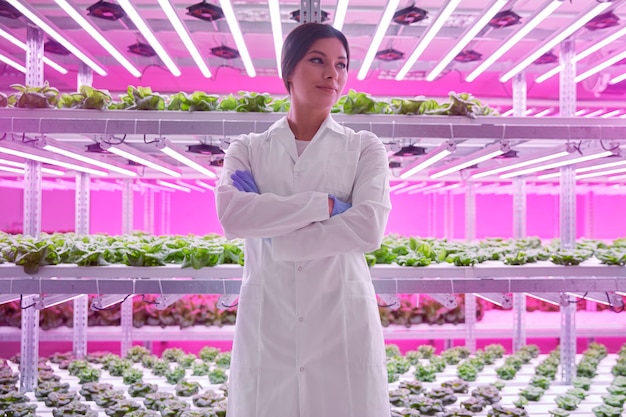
[(301, 319), (300, 269), (302, 369)]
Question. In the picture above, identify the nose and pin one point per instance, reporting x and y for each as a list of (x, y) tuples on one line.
[(331, 72)]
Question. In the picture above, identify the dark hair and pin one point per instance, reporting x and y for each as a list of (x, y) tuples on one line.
[(299, 41)]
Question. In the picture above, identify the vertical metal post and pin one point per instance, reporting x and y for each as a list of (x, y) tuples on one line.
[(29, 347), (470, 299), (127, 306), (567, 103), (168, 212), (310, 11), (82, 205), (519, 231), (148, 211), (519, 94), (127, 206), (85, 77), (127, 326)]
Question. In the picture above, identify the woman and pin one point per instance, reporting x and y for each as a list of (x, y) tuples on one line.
[(310, 197)]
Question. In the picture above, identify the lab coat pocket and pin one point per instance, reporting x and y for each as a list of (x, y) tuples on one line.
[(363, 328), (341, 173)]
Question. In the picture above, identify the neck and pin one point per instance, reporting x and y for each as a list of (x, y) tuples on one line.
[(304, 123)]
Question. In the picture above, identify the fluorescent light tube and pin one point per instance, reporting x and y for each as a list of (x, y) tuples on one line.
[(340, 14), (558, 164), (233, 24), (429, 159), (581, 112), (430, 187), (472, 159), (410, 187), (538, 160), (58, 148), (167, 148), (173, 186), (611, 114), (601, 173), (381, 30), (97, 36), (595, 113), (608, 40), (556, 39), (427, 37), (39, 156), (104, 301), (193, 187), (205, 185), (543, 113), (127, 152), (546, 10), (601, 166), (7, 298), (398, 186), (476, 26), (53, 33), (12, 63), (610, 61), (617, 177), (23, 165), (45, 301), (141, 25), (277, 33), (439, 189), (13, 170), (618, 79), (509, 112), (551, 298), (183, 34), (22, 45)]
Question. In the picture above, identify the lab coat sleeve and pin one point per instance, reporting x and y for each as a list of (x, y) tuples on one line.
[(265, 215), (359, 229)]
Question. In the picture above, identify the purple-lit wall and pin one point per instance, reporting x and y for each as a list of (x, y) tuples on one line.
[(599, 216)]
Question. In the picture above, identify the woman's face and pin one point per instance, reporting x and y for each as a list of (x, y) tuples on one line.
[(320, 76)]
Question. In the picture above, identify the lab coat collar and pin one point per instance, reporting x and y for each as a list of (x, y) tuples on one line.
[(282, 132)]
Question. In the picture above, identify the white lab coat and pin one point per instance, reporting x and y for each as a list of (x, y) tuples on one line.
[(308, 339)]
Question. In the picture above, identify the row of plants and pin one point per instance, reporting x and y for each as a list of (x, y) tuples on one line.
[(412, 395), (210, 250), (143, 98)]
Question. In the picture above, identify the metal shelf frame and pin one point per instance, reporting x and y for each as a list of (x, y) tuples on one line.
[(173, 123), (488, 277)]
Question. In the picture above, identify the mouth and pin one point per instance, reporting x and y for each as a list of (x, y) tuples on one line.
[(325, 88)]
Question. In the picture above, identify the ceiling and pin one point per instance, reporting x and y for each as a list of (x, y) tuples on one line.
[(360, 24), (363, 16)]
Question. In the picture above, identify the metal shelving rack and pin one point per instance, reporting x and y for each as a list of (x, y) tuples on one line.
[(488, 277)]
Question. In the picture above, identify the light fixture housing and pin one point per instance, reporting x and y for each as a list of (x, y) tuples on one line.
[(569, 161), (52, 145), (472, 159), (9, 37), (379, 34), (132, 154), (184, 36), (458, 52), (205, 11), (149, 36), (34, 154), (429, 159), (548, 156), (427, 37), (409, 15), (106, 10), (170, 150), (233, 24), (555, 39), (539, 16), (31, 14)]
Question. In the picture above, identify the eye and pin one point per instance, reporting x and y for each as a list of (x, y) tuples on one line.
[(342, 65), (316, 60)]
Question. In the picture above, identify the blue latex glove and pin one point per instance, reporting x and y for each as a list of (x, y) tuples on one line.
[(338, 206), (244, 181)]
